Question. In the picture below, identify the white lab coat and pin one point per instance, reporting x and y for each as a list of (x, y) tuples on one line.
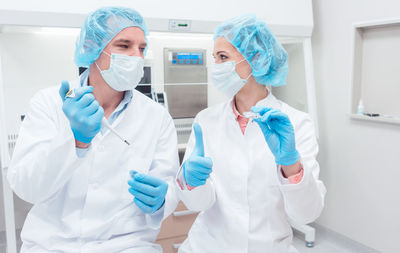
[(83, 204), (246, 204)]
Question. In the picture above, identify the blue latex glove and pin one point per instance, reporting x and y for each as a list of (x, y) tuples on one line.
[(83, 112), (149, 191), (197, 168), (278, 133)]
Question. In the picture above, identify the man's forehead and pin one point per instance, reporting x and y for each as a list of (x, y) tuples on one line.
[(131, 34), (130, 41)]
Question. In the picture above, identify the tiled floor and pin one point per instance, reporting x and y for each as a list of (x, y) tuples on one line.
[(323, 246), (329, 242)]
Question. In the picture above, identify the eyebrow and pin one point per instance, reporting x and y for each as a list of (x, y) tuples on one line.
[(219, 52), (122, 40), (144, 44)]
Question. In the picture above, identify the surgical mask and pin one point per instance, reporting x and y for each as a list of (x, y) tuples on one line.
[(226, 79), (125, 71)]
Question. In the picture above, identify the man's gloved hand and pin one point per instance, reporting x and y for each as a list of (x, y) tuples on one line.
[(149, 191), (82, 111)]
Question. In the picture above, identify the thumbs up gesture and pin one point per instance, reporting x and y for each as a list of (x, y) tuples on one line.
[(197, 168)]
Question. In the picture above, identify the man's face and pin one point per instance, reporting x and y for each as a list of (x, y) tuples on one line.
[(130, 41)]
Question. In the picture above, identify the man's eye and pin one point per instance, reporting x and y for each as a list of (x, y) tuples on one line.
[(223, 57), (142, 49), (123, 46)]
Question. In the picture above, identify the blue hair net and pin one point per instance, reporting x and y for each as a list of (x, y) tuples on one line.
[(100, 28), (266, 56)]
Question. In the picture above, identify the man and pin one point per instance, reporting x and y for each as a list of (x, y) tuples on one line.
[(91, 191)]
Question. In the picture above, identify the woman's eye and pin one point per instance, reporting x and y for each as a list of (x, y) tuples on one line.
[(223, 57), (123, 46), (142, 49)]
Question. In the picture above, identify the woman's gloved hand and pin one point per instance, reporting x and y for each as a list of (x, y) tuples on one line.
[(197, 168), (278, 133)]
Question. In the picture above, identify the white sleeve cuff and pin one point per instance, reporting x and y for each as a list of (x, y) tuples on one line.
[(282, 179), (180, 180), (81, 152)]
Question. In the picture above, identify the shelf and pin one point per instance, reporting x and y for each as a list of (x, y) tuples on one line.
[(375, 78), (395, 121)]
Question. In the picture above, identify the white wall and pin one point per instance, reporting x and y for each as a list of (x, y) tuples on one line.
[(359, 159)]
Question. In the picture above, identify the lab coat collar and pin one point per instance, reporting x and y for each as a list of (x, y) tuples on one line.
[(268, 101)]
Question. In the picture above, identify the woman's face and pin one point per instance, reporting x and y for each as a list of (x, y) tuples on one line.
[(225, 51)]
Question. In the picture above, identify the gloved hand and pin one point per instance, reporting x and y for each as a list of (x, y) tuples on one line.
[(149, 191), (83, 112), (278, 133), (197, 168)]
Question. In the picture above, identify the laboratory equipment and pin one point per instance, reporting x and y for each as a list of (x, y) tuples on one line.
[(185, 78), (104, 122), (251, 115)]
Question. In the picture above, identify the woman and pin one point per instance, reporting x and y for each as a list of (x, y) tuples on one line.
[(249, 175)]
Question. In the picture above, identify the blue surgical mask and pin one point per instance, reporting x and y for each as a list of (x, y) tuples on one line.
[(125, 71), (226, 79)]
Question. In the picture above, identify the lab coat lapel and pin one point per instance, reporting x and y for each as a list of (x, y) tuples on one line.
[(235, 159), (131, 106)]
